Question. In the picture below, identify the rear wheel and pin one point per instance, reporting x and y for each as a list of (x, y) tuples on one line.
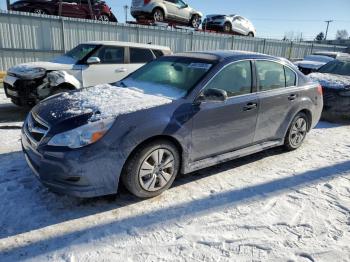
[(104, 18), (227, 27), (158, 15), (195, 21), (151, 169), (297, 132)]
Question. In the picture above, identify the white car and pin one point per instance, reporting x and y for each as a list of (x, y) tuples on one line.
[(86, 65), (229, 24), (176, 11)]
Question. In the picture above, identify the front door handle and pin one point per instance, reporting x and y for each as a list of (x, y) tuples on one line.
[(292, 97), (121, 70), (250, 106)]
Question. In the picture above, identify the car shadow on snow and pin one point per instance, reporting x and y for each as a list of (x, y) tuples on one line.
[(60, 209)]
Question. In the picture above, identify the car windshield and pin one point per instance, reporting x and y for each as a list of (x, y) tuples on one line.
[(171, 77), (337, 67), (80, 51)]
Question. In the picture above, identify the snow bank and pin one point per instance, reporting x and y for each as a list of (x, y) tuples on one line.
[(330, 80), (111, 101)]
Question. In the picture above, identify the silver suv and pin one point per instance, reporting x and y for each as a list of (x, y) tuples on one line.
[(166, 10)]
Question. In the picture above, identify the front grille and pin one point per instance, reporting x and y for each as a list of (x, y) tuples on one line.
[(35, 128)]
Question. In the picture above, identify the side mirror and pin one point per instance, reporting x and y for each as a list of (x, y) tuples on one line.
[(93, 60), (214, 95), (184, 6)]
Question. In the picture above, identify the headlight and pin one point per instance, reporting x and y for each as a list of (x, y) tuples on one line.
[(28, 72), (83, 135)]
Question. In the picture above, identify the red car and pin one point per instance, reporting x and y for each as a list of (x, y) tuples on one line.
[(70, 8)]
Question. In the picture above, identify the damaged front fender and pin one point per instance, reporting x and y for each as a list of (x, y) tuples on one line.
[(55, 79)]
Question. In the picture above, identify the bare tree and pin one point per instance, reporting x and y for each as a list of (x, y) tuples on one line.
[(342, 34)]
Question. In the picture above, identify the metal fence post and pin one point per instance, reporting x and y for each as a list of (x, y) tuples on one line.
[(192, 35), (233, 43), (291, 50), (264, 46), (63, 35)]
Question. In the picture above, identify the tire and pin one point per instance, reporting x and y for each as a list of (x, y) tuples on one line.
[(297, 132), (227, 28), (144, 175), (40, 11), (250, 34), (104, 18), (158, 15), (195, 21)]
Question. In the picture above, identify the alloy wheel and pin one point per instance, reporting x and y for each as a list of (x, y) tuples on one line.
[(39, 12), (298, 132), (158, 16), (195, 22), (156, 170), (103, 18)]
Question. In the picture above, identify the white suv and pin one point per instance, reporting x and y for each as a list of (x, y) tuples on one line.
[(229, 24), (166, 10), (88, 64)]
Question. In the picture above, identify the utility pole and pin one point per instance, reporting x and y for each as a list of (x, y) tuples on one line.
[(328, 22), (126, 8)]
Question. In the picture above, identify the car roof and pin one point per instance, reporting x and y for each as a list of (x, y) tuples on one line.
[(226, 54), (128, 44)]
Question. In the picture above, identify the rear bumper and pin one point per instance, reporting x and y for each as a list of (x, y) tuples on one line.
[(336, 106), (140, 14), (82, 173)]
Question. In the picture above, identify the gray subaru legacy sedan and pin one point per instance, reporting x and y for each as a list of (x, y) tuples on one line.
[(177, 114)]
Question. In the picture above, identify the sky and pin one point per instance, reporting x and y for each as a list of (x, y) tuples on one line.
[(272, 18)]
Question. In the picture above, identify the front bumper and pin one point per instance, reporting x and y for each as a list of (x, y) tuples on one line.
[(86, 172), (212, 25), (22, 92)]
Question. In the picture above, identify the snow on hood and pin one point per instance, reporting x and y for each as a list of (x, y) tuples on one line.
[(110, 101), (28, 69), (331, 80)]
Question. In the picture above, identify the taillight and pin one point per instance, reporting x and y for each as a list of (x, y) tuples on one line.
[(320, 90), (146, 2)]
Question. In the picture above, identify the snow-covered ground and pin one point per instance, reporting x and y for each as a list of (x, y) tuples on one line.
[(272, 206)]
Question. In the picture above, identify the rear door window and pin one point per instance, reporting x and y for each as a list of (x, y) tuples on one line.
[(111, 55), (270, 75), (140, 55), (235, 79)]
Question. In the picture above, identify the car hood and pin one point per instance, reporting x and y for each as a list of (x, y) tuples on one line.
[(23, 69), (309, 64), (331, 80), (94, 103)]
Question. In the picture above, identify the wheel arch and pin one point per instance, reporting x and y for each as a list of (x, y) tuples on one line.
[(154, 138), (162, 8)]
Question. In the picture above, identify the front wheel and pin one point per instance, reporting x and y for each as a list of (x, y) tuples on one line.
[(158, 15), (227, 27), (297, 132), (151, 169), (195, 21)]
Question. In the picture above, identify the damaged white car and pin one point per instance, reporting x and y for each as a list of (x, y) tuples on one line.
[(88, 64)]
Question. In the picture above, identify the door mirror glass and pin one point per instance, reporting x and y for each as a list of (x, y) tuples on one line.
[(214, 94), (93, 60)]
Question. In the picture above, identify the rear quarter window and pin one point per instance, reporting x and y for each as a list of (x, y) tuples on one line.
[(140, 55), (291, 77)]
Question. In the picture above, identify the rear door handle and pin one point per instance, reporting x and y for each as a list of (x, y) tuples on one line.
[(292, 97), (250, 106), (121, 70)]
